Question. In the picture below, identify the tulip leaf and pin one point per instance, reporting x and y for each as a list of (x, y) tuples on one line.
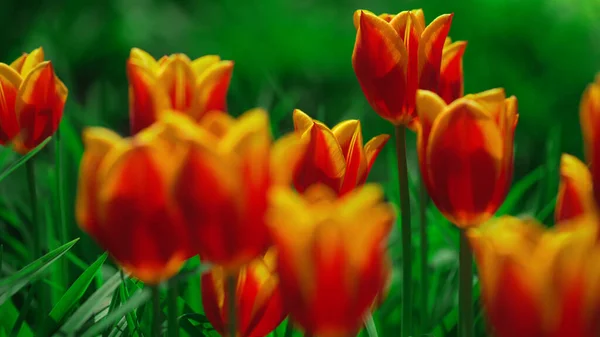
[(15, 165), (15, 282), (137, 299), (519, 189), (88, 308), (76, 291), (370, 326)]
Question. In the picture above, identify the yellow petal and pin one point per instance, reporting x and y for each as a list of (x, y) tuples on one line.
[(200, 64), (285, 157), (32, 60), (492, 101), (302, 122), (178, 80), (356, 17), (212, 87), (429, 106), (143, 59)]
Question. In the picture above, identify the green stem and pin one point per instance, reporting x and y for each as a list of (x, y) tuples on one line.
[(465, 291), (424, 254), (156, 315), (63, 234), (39, 229), (289, 328), (406, 231), (232, 279), (172, 308)]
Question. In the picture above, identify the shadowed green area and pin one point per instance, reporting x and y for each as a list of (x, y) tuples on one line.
[(288, 54)]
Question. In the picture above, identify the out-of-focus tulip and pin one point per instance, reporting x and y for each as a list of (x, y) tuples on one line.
[(32, 99), (537, 282), (575, 195), (396, 55), (332, 255), (124, 202), (334, 157), (466, 153), (258, 299), (227, 170), (590, 127), (175, 82), (451, 86)]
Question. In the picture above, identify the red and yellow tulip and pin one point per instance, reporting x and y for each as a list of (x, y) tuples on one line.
[(177, 83), (332, 255), (394, 55), (537, 282), (227, 169), (124, 202), (334, 157), (590, 127), (258, 299), (575, 193), (32, 100), (466, 152), (451, 86)]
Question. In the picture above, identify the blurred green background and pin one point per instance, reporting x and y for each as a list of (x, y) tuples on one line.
[(297, 54)]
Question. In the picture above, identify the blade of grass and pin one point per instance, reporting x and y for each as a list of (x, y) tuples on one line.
[(10, 314), (23, 311), (517, 192), (23, 160), (15, 282)]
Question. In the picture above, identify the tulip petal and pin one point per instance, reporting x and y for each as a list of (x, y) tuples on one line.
[(39, 107), (589, 112), (451, 72), (493, 102), (419, 16), (9, 86), (217, 122), (372, 150), (32, 60), (142, 59), (349, 136), (201, 64), (575, 195), (143, 97), (430, 51), (302, 122), (429, 106), (464, 160), (380, 61), (286, 154), (178, 79), (213, 85), (357, 13), (18, 63)]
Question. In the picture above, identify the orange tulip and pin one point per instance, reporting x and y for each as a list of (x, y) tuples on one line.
[(590, 122), (335, 157), (123, 201), (332, 255), (396, 55), (537, 282), (466, 153), (228, 167), (32, 100), (451, 86), (258, 299), (175, 82), (575, 196)]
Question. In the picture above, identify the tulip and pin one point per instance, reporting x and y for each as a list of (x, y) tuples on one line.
[(575, 196), (258, 299), (396, 55), (123, 201), (177, 83), (226, 171), (332, 260), (334, 157), (451, 86), (538, 282), (31, 102), (590, 118), (466, 153)]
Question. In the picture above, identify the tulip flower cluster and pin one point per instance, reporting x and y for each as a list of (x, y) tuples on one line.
[(290, 227)]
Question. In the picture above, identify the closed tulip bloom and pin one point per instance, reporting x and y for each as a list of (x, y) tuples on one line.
[(177, 83), (332, 261), (334, 157), (466, 153), (227, 170), (575, 196), (538, 282), (123, 201), (32, 100), (394, 55), (590, 127), (451, 84), (258, 299)]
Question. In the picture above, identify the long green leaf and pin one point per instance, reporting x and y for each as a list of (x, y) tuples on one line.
[(14, 283), (88, 308), (76, 291), (519, 189), (12, 167)]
